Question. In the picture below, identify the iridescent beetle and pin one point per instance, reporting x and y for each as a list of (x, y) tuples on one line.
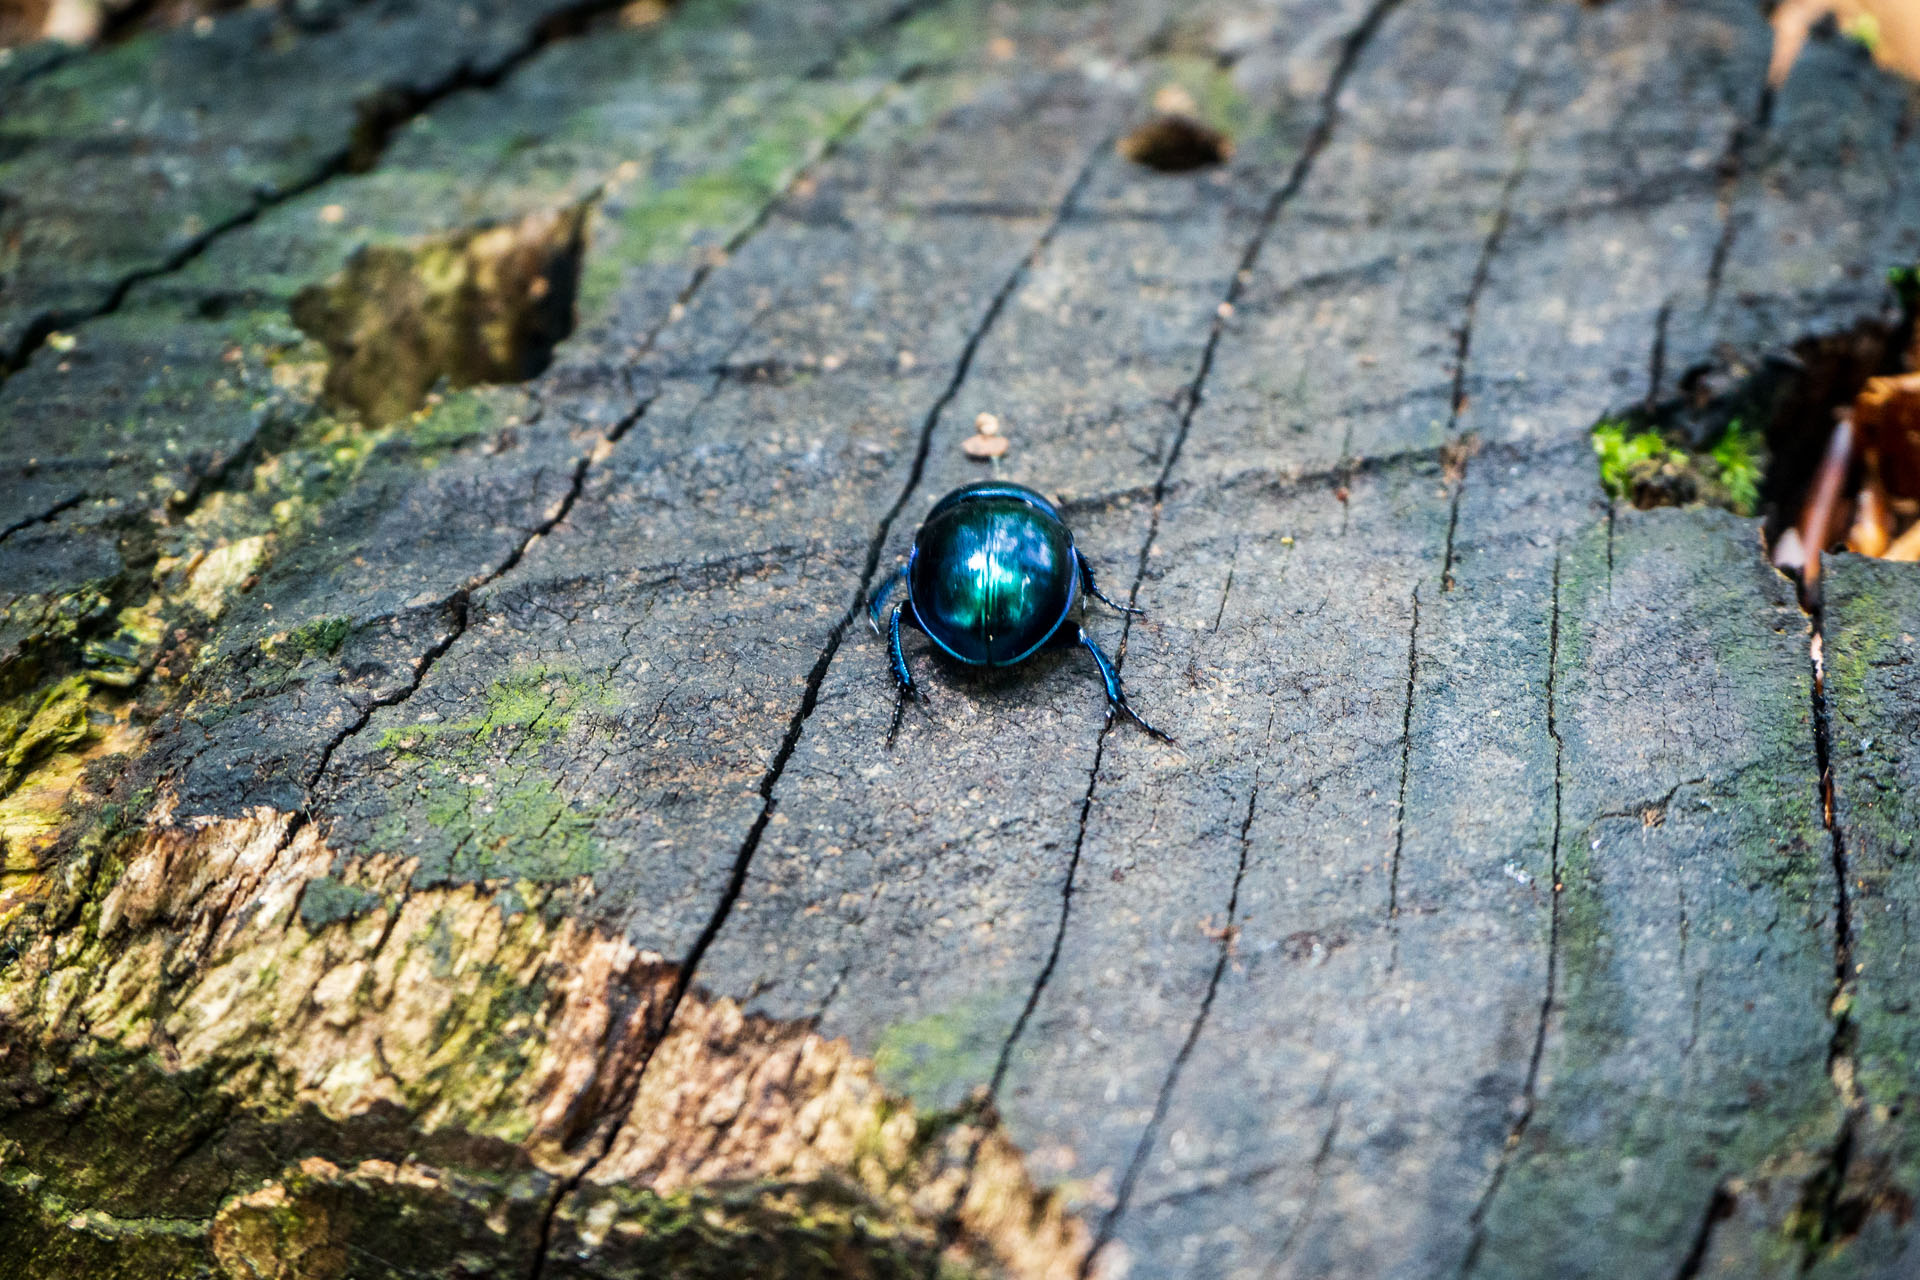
[(994, 578)]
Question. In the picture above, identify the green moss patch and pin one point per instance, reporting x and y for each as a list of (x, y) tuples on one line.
[(1652, 468), (940, 1058), (487, 802)]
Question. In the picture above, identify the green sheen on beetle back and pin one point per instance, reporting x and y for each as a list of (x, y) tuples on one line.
[(992, 578)]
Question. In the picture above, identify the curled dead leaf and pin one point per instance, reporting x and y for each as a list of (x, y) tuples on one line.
[(1887, 412)]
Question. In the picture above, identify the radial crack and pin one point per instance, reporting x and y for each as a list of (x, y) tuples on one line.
[(1406, 765), (1317, 1168), (1477, 1219), (1329, 115), (42, 517), (1833, 1171), (1734, 163), (1657, 355), (1151, 1134), (1719, 1207), (1463, 349), (461, 603)]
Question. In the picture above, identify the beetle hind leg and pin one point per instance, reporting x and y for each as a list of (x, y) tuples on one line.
[(897, 656), (1116, 697), (1086, 581)]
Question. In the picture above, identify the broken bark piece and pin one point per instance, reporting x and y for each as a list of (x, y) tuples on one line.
[(986, 442)]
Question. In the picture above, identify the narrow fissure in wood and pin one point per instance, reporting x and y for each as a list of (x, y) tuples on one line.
[(1400, 804), (1463, 348), (1529, 1093), (1735, 163), (1822, 1207), (1719, 1207), (1163, 1101)]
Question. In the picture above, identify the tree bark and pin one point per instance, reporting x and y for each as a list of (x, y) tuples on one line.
[(457, 822)]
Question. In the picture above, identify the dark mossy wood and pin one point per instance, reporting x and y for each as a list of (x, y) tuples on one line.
[(473, 831)]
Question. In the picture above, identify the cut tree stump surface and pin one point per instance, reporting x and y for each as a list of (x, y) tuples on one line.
[(472, 831)]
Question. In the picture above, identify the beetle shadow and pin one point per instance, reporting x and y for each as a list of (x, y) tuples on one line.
[(998, 691)]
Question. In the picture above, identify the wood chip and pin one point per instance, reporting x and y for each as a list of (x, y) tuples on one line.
[(1823, 520), (1789, 553), (1175, 100)]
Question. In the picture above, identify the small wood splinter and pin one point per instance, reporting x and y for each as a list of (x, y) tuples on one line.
[(1824, 518)]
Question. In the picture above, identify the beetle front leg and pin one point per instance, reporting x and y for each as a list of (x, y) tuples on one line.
[(898, 656), (1116, 698), (1086, 580)]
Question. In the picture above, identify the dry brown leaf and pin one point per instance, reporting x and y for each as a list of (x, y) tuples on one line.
[(1872, 519), (1887, 414)]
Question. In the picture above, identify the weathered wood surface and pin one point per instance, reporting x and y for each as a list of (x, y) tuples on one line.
[(484, 840)]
